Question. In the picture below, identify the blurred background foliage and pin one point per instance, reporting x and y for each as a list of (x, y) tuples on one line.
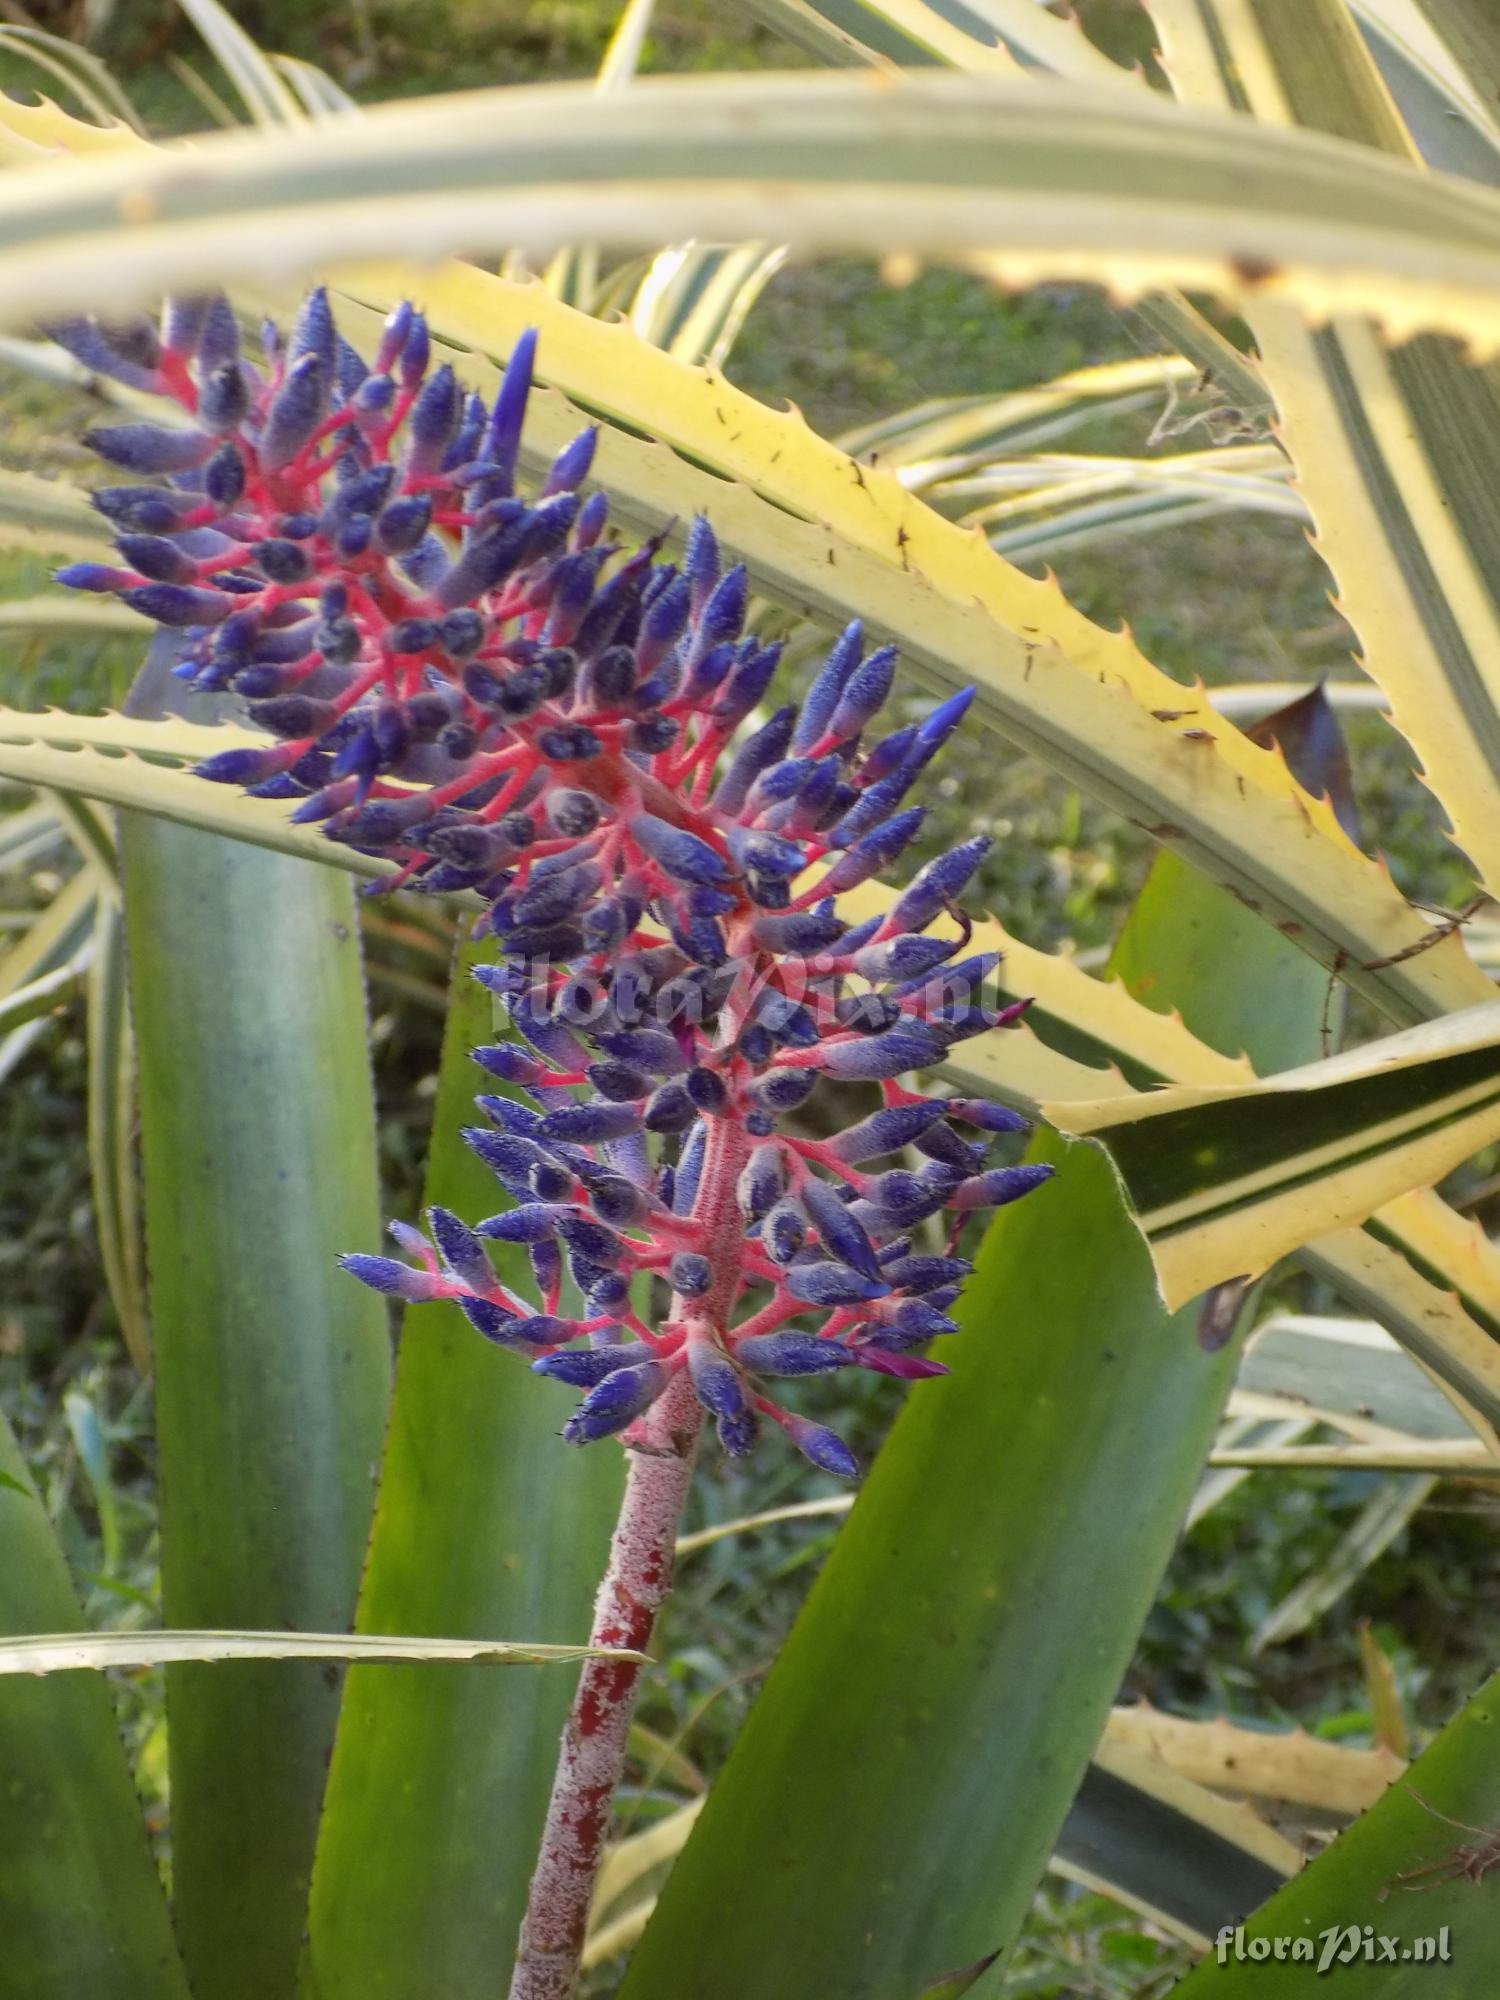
[(1239, 598)]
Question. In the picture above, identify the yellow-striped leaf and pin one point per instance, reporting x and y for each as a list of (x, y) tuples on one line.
[(1225, 1179)]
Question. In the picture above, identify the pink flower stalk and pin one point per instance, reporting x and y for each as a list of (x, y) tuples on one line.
[(489, 691)]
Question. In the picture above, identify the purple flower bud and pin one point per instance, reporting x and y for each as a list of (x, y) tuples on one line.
[(401, 526), (510, 1064), (876, 1057), (179, 605), (785, 1229), (495, 1322), (670, 1109), (182, 323), (864, 693), (224, 476), (684, 856), (149, 510), (875, 851), (825, 1448), (940, 725), (761, 1182), (617, 1401), (792, 1354), (400, 1281), (225, 400), (585, 1367), (433, 420), (906, 1367), (989, 1117), (906, 1198), (314, 333), (716, 1379), (461, 1249), (700, 561), (746, 686), (999, 1186), (487, 561), (295, 413), (393, 337), (571, 466), (157, 557), (885, 1131), (799, 931), (723, 612), (219, 342), (530, 1223), (654, 1051), (619, 1201), (690, 1274), (830, 1284), (784, 1089), (823, 696), (619, 1082), (765, 853), (503, 439), (939, 883), (416, 352), (840, 1232), (544, 1330), (592, 1239), (765, 748), (586, 1123), (875, 803), (245, 767), (98, 577), (91, 344), (150, 447), (901, 958), (737, 1433), (925, 1274), (787, 1021)]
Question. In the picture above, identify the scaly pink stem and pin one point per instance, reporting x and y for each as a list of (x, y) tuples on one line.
[(661, 1447)]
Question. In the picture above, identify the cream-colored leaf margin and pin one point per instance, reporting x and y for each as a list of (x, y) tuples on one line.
[(71, 1652)]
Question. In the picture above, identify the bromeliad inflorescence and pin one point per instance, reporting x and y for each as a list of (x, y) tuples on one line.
[(489, 691)]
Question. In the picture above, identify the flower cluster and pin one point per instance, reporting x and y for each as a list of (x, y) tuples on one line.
[(495, 695)]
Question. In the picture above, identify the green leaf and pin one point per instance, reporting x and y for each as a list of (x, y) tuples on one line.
[(1383, 1516), (962, 1981), (68, 1652), (49, 515), (254, 75), (1076, 181), (1348, 1368), (1359, 1881), (485, 1523), (1224, 1179), (902, 1780), (81, 1909), (47, 994), (113, 1176), (1184, 1858), (143, 765), (1393, 450), (70, 614), (272, 1366)]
